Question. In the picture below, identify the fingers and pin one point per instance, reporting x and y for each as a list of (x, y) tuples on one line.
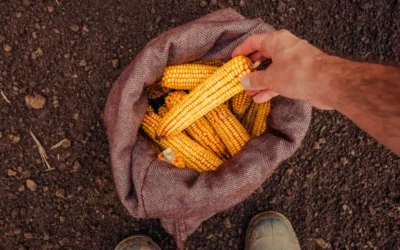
[(259, 80), (257, 56), (251, 92), (252, 44), (263, 96)]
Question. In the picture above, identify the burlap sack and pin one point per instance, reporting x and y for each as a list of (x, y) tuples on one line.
[(181, 198)]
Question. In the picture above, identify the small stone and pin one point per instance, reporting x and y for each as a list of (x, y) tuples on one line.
[(26, 2), (7, 48), (45, 188), (344, 160), (62, 167), (74, 28), (46, 236), (17, 231), (60, 193), (56, 104), (21, 188), (281, 7), (309, 8), (28, 235), (11, 173), (158, 20), (56, 31), (50, 9), (115, 63), (15, 213), (19, 169), (85, 29), (80, 188), (67, 55), (228, 224), (63, 241), (203, 4), (213, 2), (120, 19), (108, 85), (35, 101), (31, 185), (62, 219), (76, 116), (322, 243), (76, 167), (352, 152), (83, 63), (241, 3), (14, 138), (34, 35), (18, 14)]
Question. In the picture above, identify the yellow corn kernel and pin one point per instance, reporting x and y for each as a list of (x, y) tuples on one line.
[(155, 91), (214, 91), (173, 157), (186, 76), (232, 133), (250, 117), (260, 124), (194, 155), (162, 111), (201, 131), (240, 103), (218, 63)]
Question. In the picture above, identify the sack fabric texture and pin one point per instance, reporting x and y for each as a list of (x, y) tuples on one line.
[(181, 198)]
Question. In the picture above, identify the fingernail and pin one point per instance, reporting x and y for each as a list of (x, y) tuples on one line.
[(245, 82)]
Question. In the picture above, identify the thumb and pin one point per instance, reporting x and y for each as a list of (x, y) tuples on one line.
[(258, 80)]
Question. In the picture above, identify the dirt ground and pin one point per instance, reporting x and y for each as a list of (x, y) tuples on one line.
[(341, 190)]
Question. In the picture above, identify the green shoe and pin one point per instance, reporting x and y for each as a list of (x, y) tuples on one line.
[(137, 242), (271, 231)]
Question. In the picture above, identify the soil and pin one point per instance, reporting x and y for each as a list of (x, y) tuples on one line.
[(341, 190)]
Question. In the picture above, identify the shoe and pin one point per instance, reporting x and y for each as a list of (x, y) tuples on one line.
[(271, 231), (137, 242)]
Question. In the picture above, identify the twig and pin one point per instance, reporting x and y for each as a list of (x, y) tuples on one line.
[(58, 3), (42, 152), (61, 143), (5, 97)]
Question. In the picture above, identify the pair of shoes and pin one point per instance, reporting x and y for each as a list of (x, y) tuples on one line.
[(267, 231)]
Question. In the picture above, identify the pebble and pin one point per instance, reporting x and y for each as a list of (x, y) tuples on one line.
[(60, 193), (63, 241), (21, 188), (18, 14), (62, 219), (281, 7), (14, 138), (344, 160), (15, 213), (35, 101), (322, 243), (67, 55), (76, 167), (115, 63), (241, 3), (28, 235), (120, 19), (80, 188), (309, 8), (11, 173), (83, 63), (7, 48), (26, 174), (46, 236), (26, 2), (62, 167), (228, 224), (17, 231), (50, 9), (203, 4), (213, 2), (31, 185), (74, 28)]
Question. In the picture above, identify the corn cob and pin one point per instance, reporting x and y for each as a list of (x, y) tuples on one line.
[(232, 133), (173, 157), (162, 111), (201, 130), (218, 63), (155, 90), (186, 76), (214, 91), (250, 117), (240, 103), (260, 124), (194, 155)]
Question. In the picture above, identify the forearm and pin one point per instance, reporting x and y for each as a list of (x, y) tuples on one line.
[(369, 95)]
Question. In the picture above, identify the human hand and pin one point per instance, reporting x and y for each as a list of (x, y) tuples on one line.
[(295, 72)]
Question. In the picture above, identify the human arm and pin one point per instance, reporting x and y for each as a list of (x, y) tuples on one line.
[(368, 94)]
